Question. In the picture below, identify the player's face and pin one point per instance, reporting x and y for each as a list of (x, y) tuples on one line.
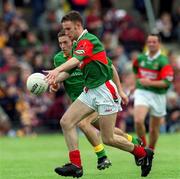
[(65, 44), (153, 43), (70, 29)]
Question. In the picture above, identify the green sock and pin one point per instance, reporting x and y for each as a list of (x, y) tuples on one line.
[(99, 150), (135, 141), (101, 154)]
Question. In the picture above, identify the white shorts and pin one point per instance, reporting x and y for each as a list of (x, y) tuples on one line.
[(155, 102), (103, 99)]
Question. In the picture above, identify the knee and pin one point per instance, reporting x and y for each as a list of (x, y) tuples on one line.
[(83, 125), (108, 140), (64, 123)]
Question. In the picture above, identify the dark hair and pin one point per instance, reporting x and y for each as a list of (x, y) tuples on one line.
[(73, 16), (156, 35), (61, 33)]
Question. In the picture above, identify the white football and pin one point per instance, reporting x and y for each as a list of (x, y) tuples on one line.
[(36, 84)]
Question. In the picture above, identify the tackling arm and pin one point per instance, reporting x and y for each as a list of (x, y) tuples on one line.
[(71, 63), (62, 76), (53, 74)]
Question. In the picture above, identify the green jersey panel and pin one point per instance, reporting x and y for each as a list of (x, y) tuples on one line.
[(75, 83)]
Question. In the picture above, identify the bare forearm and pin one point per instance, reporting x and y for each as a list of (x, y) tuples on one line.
[(159, 84), (62, 76), (71, 63)]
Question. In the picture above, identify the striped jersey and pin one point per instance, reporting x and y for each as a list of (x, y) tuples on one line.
[(93, 60), (157, 68)]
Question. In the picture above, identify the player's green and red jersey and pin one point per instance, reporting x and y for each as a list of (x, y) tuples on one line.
[(157, 68), (75, 83), (94, 62)]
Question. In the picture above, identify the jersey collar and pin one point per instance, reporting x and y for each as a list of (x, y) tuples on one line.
[(66, 56), (154, 57), (84, 32)]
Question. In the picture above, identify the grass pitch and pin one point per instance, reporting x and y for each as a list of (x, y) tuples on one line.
[(36, 158)]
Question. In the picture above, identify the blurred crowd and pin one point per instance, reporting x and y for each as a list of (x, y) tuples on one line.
[(28, 41)]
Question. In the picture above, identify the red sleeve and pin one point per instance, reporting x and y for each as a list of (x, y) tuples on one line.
[(84, 48), (167, 73)]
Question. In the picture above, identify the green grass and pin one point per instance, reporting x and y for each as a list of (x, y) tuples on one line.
[(36, 158)]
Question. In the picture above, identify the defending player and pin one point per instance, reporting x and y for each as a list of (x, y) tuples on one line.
[(100, 94), (153, 77)]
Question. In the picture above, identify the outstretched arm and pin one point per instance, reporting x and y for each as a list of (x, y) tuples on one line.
[(62, 76), (71, 63), (52, 75)]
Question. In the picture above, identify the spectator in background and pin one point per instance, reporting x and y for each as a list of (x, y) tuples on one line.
[(7, 52), (25, 116), (8, 102), (38, 7), (131, 36), (38, 62), (165, 27), (49, 25), (27, 57), (17, 30), (9, 12), (31, 40), (108, 44), (111, 20), (122, 59), (60, 7)]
